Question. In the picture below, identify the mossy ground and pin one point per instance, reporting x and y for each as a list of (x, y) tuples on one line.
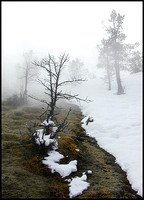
[(24, 175)]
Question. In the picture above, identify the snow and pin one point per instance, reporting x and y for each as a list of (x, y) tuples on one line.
[(77, 149), (78, 185), (89, 171), (63, 169), (44, 138), (117, 124), (46, 123)]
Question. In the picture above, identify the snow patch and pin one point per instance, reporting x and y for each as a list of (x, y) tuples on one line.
[(78, 185), (63, 169)]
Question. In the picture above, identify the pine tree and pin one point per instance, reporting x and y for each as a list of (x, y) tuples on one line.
[(116, 38), (105, 60)]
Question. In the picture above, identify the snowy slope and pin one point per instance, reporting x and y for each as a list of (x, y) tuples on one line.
[(117, 122)]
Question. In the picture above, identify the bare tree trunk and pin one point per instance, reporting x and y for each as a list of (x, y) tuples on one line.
[(51, 113), (26, 80), (120, 88), (108, 74), (117, 70)]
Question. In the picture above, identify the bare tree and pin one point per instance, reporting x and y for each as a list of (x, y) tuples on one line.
[(53, 85), (29, 71)]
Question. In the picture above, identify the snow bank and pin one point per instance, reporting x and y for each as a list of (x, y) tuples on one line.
[(117, 122)]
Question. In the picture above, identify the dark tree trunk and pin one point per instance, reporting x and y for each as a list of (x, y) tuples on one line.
[(117, 69), (108, 74), (120, 88), (26, 81)]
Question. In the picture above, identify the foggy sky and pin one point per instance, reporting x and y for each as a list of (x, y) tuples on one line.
[(55, 27)]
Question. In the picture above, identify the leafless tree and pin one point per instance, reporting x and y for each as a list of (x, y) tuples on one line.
[(29, 71), (53, 85)]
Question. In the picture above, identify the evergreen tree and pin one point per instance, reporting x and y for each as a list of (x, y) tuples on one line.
[(135, 62), (116, 38), (105, 60)]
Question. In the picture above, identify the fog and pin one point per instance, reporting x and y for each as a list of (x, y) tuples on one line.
[(56, 27)]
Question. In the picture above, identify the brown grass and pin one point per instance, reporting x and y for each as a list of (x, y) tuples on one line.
[(101, 194), (67, 146), (23, 174)]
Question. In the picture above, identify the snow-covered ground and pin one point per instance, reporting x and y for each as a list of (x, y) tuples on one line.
[(117, 124)]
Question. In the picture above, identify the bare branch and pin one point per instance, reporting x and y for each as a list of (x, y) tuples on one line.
[(60, 126), (63, 59), (70, 97), (40, 64), (54, 70), (71, 81), (48, 88), (43, 101), (45, 112)]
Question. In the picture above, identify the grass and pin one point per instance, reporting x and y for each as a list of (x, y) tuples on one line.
[(101, 194), (23, 174)]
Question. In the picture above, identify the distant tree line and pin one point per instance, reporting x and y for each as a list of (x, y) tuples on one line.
[(15, 100)]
